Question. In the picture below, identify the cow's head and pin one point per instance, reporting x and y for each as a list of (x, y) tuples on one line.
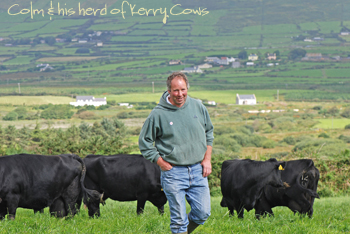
[(275, 176), (158, 199)]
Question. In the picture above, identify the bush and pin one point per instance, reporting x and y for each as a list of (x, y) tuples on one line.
[(21, 112), (57, 112), (289, 140), (346, 139), (103, 107), (11, 116), (268, 144), (346, 113), (317, 107), (220, 130), (347, 126), (229, 143), (87, 115), (325, 146), (324, 135)]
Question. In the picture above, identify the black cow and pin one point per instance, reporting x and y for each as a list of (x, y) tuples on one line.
[(299, 195), (36, 181), (124, 178), (242, 182)]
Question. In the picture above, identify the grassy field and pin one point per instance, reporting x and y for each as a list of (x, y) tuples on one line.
[(332, 123), (331, 215), (34, 100)]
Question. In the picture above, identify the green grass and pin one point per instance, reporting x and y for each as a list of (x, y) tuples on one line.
[(331, 215), (34, 100), (332, 123)]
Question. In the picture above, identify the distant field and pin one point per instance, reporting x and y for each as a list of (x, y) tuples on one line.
[(68, 59), (220, 96), (332, 123), (34, 100)]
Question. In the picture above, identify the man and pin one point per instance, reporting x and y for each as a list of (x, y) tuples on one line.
[(178, 136)]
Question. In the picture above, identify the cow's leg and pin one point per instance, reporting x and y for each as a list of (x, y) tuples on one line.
[(3, 210), (40, 211), (240, 211), (141, 201), (230, 209), (262, 208), (58, 208), (12, 204), (71, 196)]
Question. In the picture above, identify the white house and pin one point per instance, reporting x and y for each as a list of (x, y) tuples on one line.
[(89, 101), (246, 99)]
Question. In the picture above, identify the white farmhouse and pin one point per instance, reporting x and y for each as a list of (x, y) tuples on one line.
[(246, 99), (89, 101)]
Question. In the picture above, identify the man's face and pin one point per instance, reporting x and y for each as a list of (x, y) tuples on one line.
[(178, 91)]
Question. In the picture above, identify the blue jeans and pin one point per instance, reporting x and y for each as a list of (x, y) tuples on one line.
[(183, 183)]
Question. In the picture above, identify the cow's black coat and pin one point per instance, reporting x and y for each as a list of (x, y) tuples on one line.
[(302, 179), (124, 178), (36, 181), (242, 182)]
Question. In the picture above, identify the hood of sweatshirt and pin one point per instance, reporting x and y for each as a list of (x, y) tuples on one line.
[(163, 104)]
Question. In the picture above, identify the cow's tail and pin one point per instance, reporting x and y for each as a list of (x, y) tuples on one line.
[(88, 194)]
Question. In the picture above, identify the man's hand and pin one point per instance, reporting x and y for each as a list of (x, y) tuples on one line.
[(206, 163), (164, 165), (206, 168)]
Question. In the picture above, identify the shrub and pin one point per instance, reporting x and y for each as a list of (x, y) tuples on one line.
[(21, 112), (268, 144), (11, 116), (324, 135), (346, 139), (229, 143), (57, 112), (103, 107), (325, 146), (317, 107), (87, 115), (220, 130), (241, 139), (346, 113), (347, 126), (289, 140)]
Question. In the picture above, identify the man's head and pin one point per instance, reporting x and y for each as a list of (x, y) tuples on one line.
[(177, 84)]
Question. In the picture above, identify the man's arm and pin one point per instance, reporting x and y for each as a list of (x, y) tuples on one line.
[(206, 163)]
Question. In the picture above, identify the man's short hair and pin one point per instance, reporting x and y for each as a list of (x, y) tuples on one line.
[(176, 74)]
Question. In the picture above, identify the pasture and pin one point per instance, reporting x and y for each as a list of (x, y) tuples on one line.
[(35, 100), (331, 215), (332, 123)]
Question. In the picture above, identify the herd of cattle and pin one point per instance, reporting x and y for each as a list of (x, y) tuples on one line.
[(63, 182)]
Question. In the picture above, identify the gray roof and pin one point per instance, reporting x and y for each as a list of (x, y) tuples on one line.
[(84, 98), (246, 96)]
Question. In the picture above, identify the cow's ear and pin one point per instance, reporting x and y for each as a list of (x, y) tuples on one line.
[(281, 166)]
